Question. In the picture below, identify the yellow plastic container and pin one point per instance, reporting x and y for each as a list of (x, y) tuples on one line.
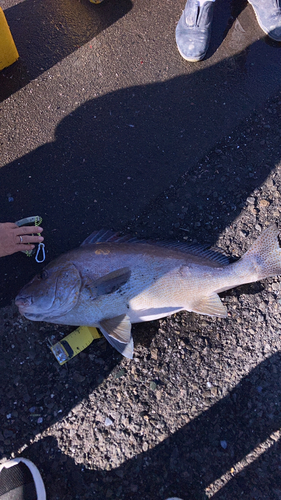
[(8, 50)]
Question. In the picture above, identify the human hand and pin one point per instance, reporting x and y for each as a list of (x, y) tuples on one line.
[(18, 239)]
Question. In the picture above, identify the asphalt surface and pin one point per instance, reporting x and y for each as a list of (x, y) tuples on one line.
[(93, 138), (102, 124)]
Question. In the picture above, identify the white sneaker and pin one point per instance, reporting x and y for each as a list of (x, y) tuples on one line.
[(21, 480)]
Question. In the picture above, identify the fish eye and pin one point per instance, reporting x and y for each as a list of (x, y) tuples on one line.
[(43, 275)]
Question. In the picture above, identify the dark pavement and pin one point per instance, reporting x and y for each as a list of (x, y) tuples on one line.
[(101, 114), (99, 119)]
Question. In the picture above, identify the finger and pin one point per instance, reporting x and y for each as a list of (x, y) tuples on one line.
[(30, 239), (26, 247), (29, 230)]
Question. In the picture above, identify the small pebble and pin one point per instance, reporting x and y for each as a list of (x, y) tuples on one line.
[(223, 444)]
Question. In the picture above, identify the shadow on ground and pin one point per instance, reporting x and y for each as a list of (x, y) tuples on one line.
[(109, 158), (173, 467), (116, 153), (47, 32)]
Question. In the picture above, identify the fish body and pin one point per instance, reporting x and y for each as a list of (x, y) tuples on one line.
[(111, 282)]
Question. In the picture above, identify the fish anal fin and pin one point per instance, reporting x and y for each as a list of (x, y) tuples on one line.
[(118, 328), (210, 305), (109, 283)]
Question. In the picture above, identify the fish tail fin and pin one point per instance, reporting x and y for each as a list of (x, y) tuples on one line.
[(265, 254)]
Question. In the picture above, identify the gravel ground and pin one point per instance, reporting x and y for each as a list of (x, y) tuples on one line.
[(197, 412)]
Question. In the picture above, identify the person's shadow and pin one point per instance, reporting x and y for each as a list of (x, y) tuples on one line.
[(191, 460), (116, 153), (108, 159)]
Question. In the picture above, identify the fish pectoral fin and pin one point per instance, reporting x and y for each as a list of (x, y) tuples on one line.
[(118, 328), (110, 282), (210, 305)]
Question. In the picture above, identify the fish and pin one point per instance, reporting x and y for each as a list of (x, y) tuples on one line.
[(111, 282)]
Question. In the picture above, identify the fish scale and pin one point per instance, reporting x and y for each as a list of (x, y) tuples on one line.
[(112, 281)]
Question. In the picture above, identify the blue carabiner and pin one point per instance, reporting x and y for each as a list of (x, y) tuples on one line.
[(41, 246)]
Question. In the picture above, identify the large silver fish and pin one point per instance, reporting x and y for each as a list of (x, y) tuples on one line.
[(111, 282)]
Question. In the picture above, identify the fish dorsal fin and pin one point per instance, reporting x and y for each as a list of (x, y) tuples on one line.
[(99, 237), (109, 283), (198, 250), (210, 305), (107, 236)]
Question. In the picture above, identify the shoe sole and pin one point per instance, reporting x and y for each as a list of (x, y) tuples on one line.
[(38, 481), (189, 59)]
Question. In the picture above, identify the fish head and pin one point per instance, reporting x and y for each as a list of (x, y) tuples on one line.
[(50, 294)]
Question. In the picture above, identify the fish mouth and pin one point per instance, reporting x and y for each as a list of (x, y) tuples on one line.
[(46, 302), (23, 302)]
